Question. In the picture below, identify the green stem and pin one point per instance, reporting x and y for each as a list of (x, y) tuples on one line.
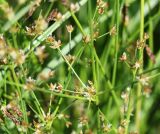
[(54, 93), (150, 70), (116, 44), (72, 68), (39, 108), (140, 58), (95, 13), (19, 92), (70, 36), (102, 35), (77, 55), (129, 111), (150, 32), (49, 9), (108, 81), (92, 49), (78, 23), (50, 103), (130, 103), (153, 76)]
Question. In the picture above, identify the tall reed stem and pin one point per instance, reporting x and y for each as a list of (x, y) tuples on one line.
[(140, 58)]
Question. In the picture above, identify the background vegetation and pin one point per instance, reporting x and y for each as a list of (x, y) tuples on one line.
[(83, 66)]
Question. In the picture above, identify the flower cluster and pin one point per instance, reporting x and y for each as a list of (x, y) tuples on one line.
[(40, 53), (30, 84), (113, 31), (101, 6), (74, 7), (9, 53), (65, 117), (106, 126), (55, 44), (69, 28), (86, 39), (141, 44), (35, 6), (56, 87), (46, 75), (70, 58), (125, 96), (150, 54), (143, 80), (37, 27), (90, 91), (55, 15), (83, 121), (12, 112), (123, 57)]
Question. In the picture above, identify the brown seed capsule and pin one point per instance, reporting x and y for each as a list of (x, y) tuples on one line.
[(31, 11), (40, 25), (65, 2), (137, 65), (12, 113), (146, 36), (125, 96), (113, 31), (17, 55), (123, 57), (56, 44), (16, 110), (74, 7), (30, 84), (147, 91), (121, 130), (98, 2), (70, 58), (86, 39), (2, 41), (100, 10), (52, 86), (140, 44), (96, 34), (144, 80), (83, 119), (124, 122), (69, 28), (150, 54), (50, 39), (90, 82), (36, 5), (30, 30), (59, 87), (68, 124), (106, 128), (40, 53), (45, 75), (101, 3), (54, 16)]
